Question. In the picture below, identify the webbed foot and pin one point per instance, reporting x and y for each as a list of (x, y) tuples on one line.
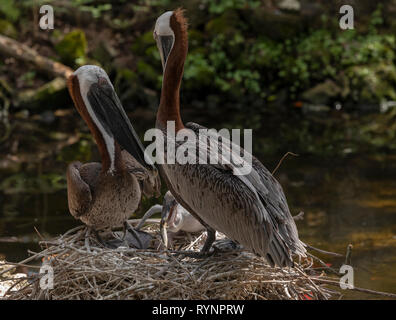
[(136, 238)]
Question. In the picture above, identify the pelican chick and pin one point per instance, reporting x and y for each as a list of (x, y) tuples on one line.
[(174, 218)]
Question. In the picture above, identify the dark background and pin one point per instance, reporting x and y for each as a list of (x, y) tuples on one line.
[(282, 68)]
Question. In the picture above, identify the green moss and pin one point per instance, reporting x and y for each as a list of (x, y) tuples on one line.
[(49, 96), (8, 29), (72, 48)]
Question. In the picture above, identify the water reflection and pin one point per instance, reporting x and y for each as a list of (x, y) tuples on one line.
[(344, 201), (350, 201)]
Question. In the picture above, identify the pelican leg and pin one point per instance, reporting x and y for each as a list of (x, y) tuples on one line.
[(124, 230), (205, 251), (101, 241), (211, 237), (153, 210)]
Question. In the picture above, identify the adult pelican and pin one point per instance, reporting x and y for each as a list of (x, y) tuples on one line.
[(250, 209), (104, 195)]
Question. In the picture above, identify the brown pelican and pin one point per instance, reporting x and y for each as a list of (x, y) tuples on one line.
[(250, 209), (174, 218), (104, 195)]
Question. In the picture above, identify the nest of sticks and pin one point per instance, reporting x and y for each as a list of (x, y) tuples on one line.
[(95, 272)]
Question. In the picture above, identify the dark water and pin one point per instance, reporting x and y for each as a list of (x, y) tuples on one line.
[(345, 201)]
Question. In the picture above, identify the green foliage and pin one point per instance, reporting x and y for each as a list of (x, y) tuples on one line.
[(376, 19), (80, 151), (143, 43), (72, 48), (245, 64), (10, 10), (28, 77), (89, 6), (237, 71), (199, 69), (147, 71), (24, 183), (237, 63), (220, 6), (7, 29)]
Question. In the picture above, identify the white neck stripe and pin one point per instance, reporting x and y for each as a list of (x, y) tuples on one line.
[(109, 140)]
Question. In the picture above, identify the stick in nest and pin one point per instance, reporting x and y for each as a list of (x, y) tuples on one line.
[(126, 273), (149, 274)]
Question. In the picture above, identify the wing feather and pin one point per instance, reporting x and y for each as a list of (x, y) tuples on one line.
[(271, 210), (78, 189), (150, 180)]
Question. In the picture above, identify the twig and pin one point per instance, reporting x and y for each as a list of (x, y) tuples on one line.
[(39, 234), (37, 255), (87, 236), (323, 264), (348, 256), (281, 160), (148, 221), (18, 264), (299, 216), (336, 283), (329, 253), (151, 274)]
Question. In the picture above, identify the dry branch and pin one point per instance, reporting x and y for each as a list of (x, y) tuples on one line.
[(281, 160), (22, 52)]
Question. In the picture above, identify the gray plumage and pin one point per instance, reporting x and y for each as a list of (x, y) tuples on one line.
[(250, 209)]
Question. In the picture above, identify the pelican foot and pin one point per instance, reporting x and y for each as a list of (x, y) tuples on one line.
[(210, 238), (109, 244), (136, 238), (226, 245)]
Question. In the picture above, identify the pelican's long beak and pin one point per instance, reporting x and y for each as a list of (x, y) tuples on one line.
[(164, 232), (166, 215), (109, 111), (165, 45)]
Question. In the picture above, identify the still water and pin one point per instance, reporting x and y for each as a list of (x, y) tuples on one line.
[(345, 201)]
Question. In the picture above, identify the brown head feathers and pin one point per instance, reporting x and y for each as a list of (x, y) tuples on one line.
[(179, 25)]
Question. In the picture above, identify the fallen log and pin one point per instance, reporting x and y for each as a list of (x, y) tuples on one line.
[(22, 52)]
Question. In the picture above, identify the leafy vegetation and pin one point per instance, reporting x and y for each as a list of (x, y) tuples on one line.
[(72, 48), (249, 65)]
